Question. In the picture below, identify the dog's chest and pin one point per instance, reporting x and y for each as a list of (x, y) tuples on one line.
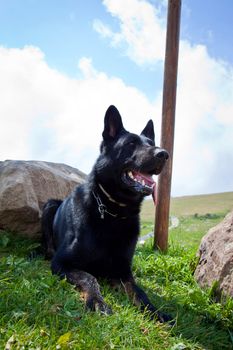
[(112, 237), (106, 248)]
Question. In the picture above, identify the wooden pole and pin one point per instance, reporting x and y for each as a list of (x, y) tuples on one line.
[(168, 123)]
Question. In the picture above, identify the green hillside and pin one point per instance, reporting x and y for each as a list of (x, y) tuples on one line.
[(189, 205)]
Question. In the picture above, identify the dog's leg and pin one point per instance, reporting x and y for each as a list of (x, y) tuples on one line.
[(140, 299), (87, 285), (90, 290)]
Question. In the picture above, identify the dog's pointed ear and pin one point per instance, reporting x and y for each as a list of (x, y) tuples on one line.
[(112, 123), (148, 131)]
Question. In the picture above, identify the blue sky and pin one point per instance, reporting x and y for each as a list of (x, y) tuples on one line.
[(63, 62), (63, 30)]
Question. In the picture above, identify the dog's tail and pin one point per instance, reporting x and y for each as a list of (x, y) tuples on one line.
[(48, 214)]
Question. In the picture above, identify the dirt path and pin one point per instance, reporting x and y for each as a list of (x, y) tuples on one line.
[(174, 223)]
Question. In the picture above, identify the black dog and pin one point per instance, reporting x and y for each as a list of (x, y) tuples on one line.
[(93, 232)]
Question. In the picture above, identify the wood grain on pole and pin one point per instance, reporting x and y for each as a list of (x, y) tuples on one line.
[(168, 123)]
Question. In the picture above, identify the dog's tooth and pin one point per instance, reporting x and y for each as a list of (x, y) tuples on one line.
[(143, 182), (130, 174)]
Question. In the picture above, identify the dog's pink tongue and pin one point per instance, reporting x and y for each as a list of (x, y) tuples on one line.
[(145, 178)]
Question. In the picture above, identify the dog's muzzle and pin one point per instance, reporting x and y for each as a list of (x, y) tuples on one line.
[(141, 181)]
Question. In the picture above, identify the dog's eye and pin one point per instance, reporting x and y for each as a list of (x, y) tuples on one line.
[(130, 144)]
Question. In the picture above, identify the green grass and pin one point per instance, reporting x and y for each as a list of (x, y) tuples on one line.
[(39, 311), (192, 228)]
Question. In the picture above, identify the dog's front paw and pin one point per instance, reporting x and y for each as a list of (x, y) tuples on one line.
[(159, 315), (99, 305), (162, 317)]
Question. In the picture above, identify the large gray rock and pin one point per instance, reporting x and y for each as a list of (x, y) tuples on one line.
[(216, 257), (24, 188)]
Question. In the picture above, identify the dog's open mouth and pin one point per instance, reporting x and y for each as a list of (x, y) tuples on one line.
[(139, 182)]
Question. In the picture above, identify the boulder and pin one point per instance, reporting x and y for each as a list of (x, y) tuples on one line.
[(24, 188), (216, 257)]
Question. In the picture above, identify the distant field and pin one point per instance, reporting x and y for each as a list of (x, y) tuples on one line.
[(219, 203)]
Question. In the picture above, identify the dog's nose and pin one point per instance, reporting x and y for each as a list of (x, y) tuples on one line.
[(162, 154)]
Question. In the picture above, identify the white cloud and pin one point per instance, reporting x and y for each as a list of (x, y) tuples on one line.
[(102, 29), (204, 115), (141, 32), (204, 123), (46, 115)]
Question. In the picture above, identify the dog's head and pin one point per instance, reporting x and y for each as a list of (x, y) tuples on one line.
[(128, 161)]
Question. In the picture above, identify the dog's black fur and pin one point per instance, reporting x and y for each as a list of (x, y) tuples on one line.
[(94, 231)]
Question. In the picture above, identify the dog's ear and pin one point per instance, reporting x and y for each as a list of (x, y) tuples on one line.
[(148, 131), (112, 123)]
